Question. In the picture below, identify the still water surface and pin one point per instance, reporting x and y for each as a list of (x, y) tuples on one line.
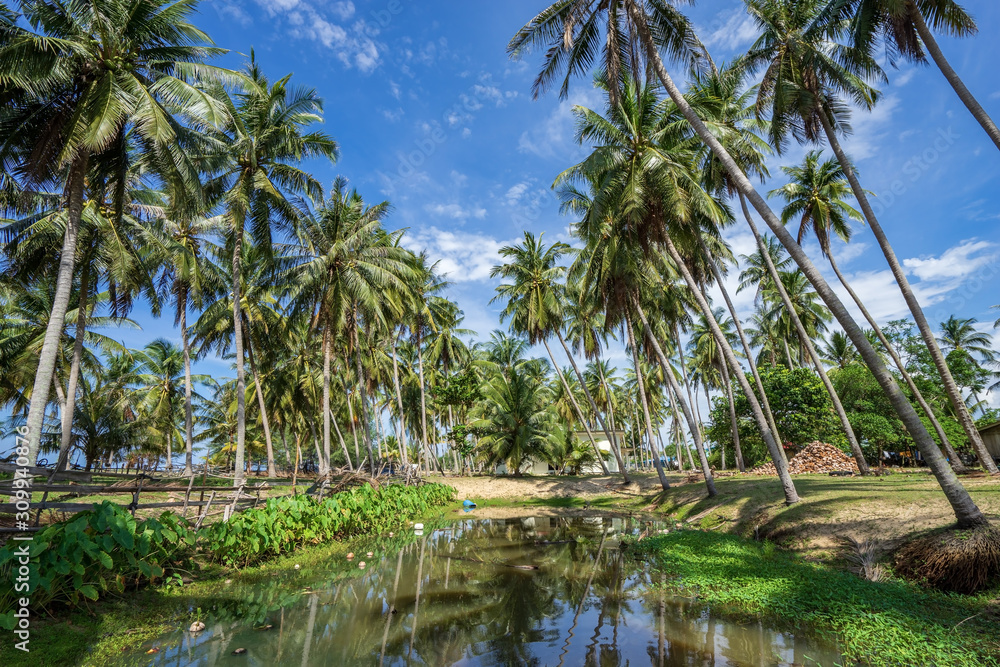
[(514, 592)]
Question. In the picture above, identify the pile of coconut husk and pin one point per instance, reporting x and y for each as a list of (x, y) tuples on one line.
[(818, 458), (963, 561)]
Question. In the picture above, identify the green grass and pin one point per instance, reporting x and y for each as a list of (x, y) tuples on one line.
[(889, 623)]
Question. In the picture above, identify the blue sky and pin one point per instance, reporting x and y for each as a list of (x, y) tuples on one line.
[(431, 115)]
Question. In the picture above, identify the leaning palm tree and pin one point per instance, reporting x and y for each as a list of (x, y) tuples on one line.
[(804, 80), (571, 31), (535, 307), (251, 157), (903, 27), (815, 198), (83, 77)]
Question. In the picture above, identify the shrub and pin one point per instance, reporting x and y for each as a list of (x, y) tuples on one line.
[(285, 523), (96, 551)]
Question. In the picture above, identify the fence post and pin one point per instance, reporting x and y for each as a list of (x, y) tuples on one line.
[(187, 497), (205, 512)]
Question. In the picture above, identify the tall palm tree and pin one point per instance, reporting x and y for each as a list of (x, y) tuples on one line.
[(815, 197), (903, 28), (351, 273), (251, 157), (535, 306), (571, 31), (709, 361), (190, 283), (960, 334), (86, 77), (803, 82)]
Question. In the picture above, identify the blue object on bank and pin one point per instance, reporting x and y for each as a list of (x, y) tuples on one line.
[(468, 503)]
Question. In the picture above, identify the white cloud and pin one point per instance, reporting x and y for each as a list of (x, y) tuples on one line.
[(456, 211), (737, 31), (555, 135), (955, 263), (514, 194), (318, 22), (461, 256)]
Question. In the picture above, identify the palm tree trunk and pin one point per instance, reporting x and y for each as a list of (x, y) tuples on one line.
[(49, 353), (366, 431), (354, 428), (399, 399), (791, 496), (423, 403), (687, 388), (271, 471), (732, 418), (764, 401), (954, 459), (69, 406), (967, 513), (806, 343), (188, 390), (241, 383), (951, 388), (324, 463), (577, 410), (970, 102), (642, 399), (593, 406), (675, 390), (343, 446)]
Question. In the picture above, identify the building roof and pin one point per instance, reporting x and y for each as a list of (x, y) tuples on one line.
[(989, 427)]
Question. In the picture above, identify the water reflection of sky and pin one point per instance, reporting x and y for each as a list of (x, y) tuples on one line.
[(514, 592)]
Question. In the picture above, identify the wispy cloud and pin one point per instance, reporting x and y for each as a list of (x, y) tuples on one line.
[(461, 256)]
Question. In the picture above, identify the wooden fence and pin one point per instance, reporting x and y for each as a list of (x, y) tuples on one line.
[(227, 500)]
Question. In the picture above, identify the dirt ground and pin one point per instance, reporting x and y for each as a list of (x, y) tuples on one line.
[(887, 510)]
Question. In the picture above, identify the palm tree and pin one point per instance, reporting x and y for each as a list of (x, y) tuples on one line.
[(803, 82), (961, 335), (252, 156), (161, 373), (190, 283), (516, 417), (903, 28), (351, 274), (572, 33), (81, 82), (709, 362), (815, 196), (535, 306), (839, 351)]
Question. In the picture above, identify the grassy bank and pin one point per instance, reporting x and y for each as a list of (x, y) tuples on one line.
[(888, 623), (123, 626)]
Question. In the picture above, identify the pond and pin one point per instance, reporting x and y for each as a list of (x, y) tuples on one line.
[(511, 592)]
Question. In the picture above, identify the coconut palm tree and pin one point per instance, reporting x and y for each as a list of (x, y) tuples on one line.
[(815, 197), (711, 365), (804, 80), (838, 350), (904, 30), (251, 157), (571, 31), (78, 77), (159, 379), (349, 276), (535, 306), (185, 269)]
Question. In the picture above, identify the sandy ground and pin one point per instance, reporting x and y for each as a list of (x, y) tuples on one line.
[(554, 487)]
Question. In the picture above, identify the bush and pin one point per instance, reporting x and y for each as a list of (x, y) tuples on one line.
[(100, 550), (106, 550), (285, 523)]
